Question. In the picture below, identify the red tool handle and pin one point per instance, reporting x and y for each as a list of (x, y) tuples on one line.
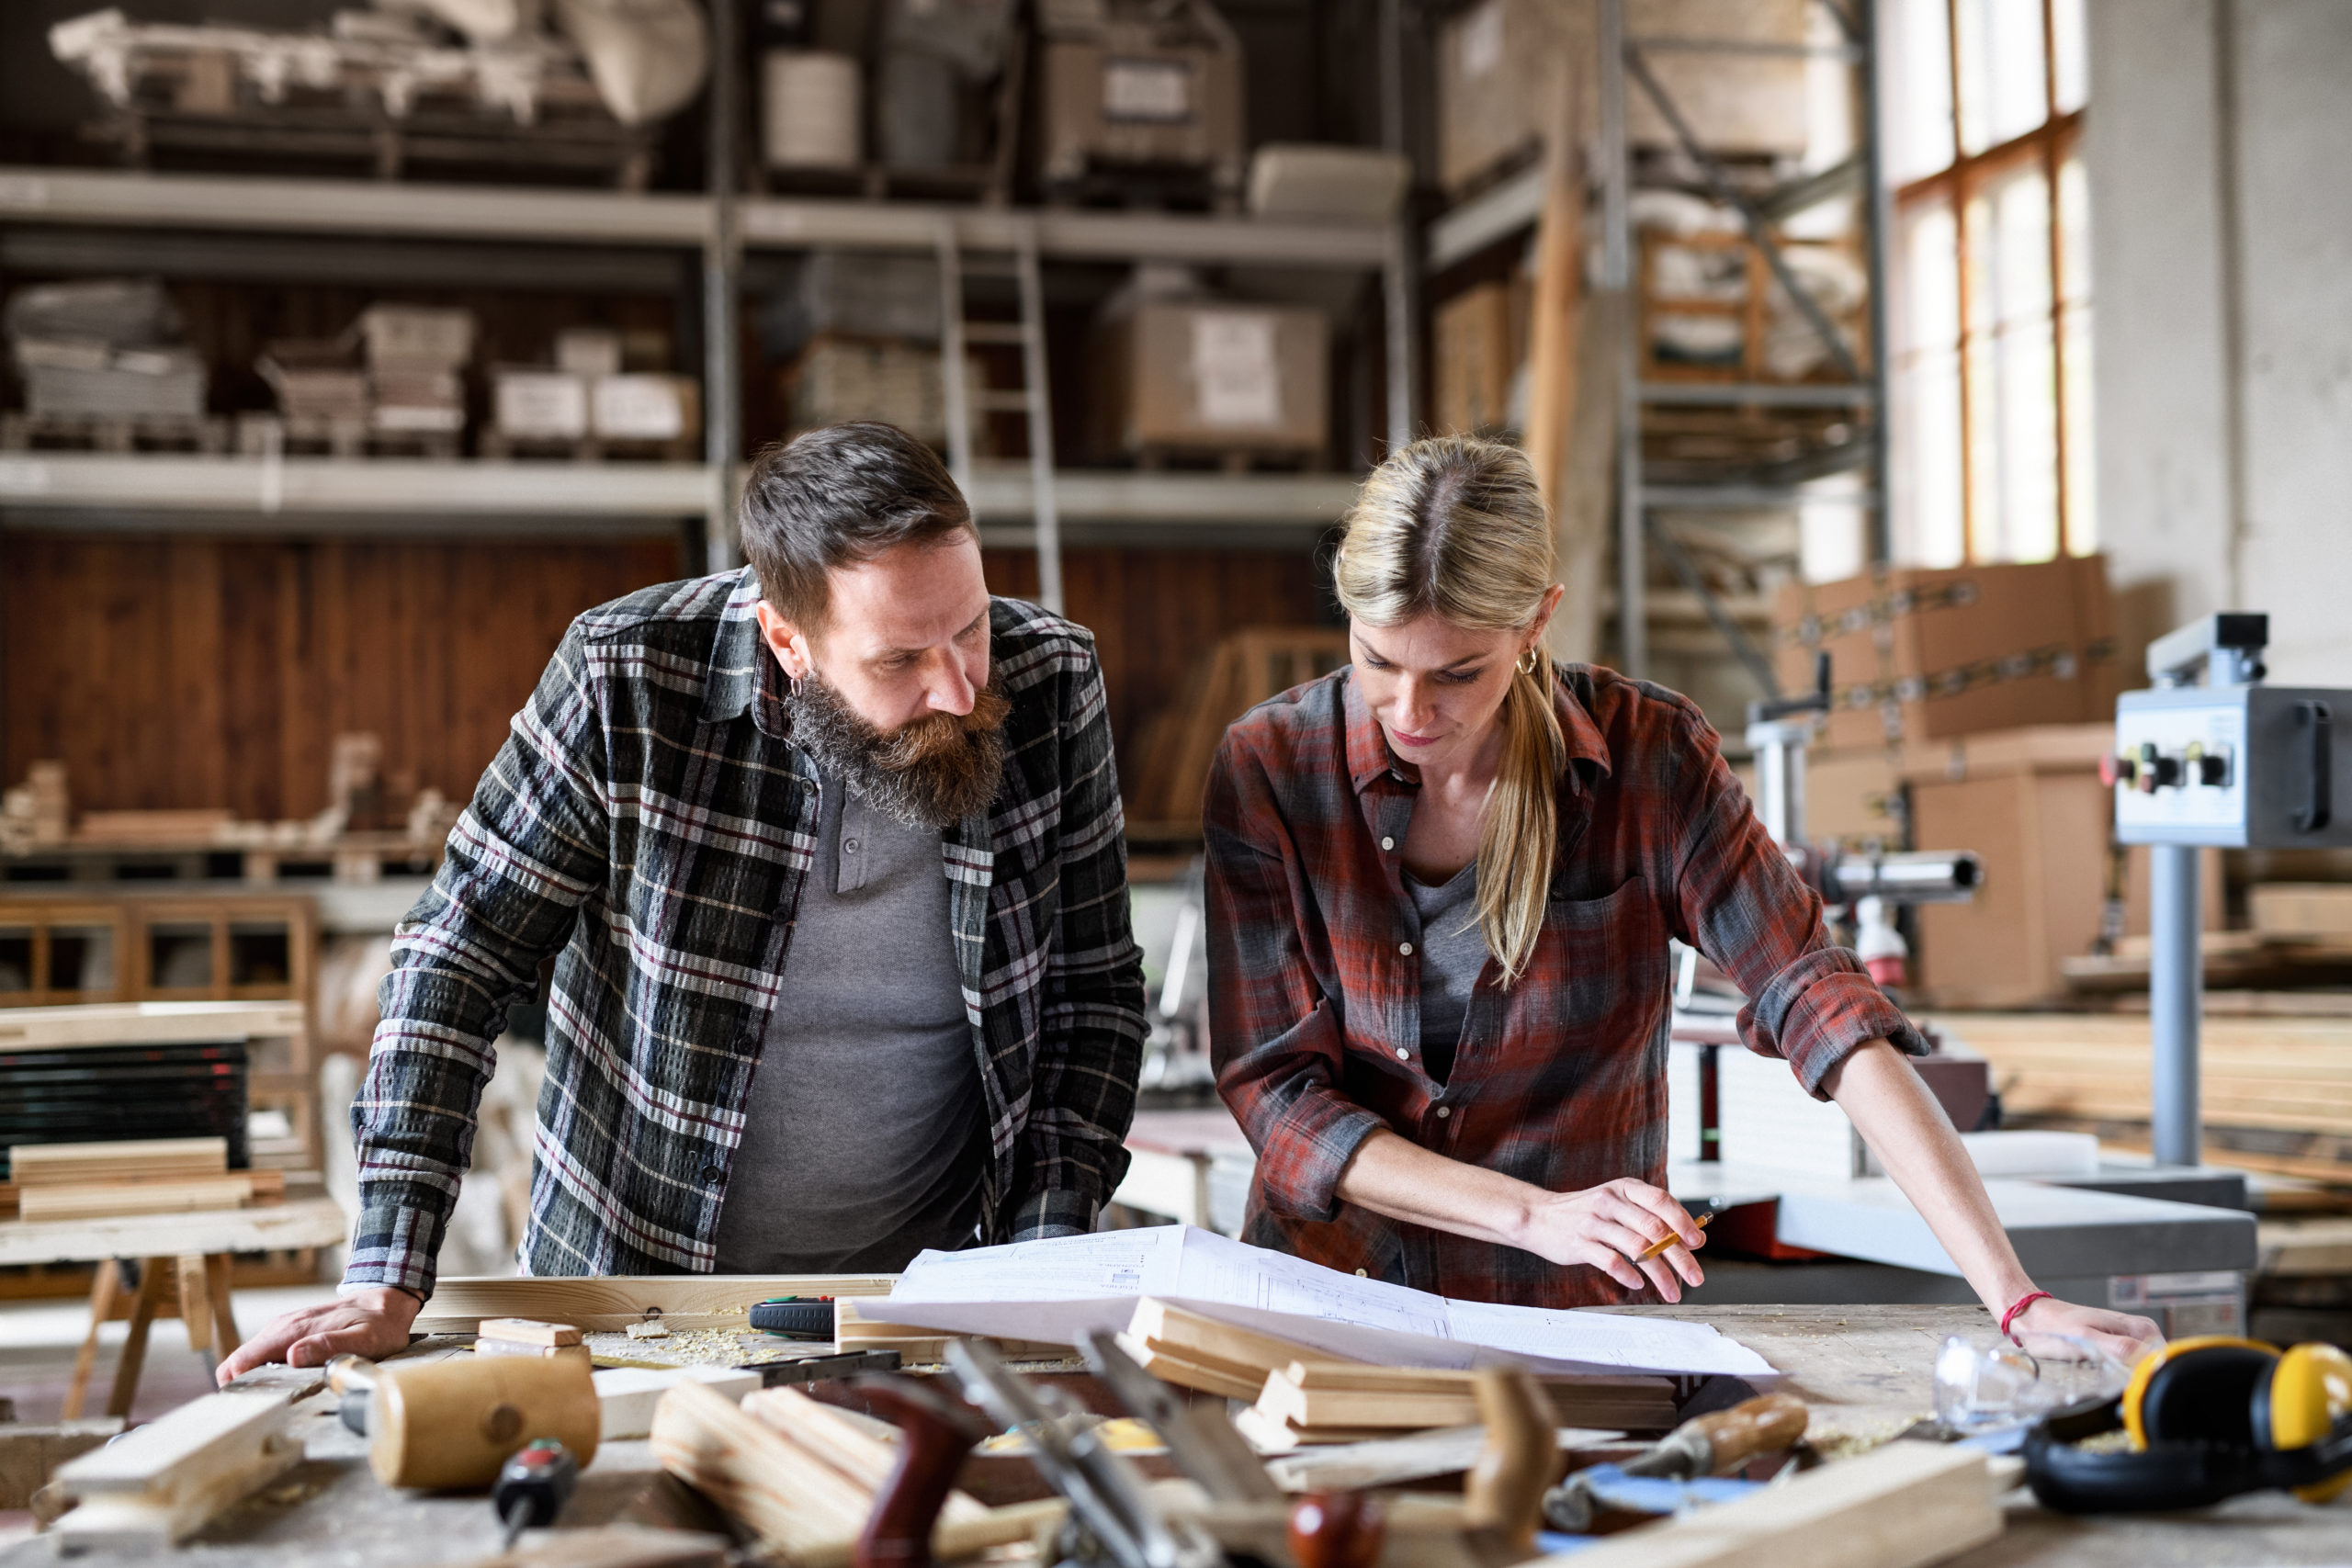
[(935, 1434)]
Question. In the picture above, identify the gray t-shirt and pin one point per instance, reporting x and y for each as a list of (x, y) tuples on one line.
[(861, 1136), (1452, 952)]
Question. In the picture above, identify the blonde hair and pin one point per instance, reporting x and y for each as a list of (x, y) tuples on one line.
[(1454, 527)]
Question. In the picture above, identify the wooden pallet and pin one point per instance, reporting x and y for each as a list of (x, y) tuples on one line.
[(1180, 741), (497, 445), (588, 143), (316, 435), (21, 432)]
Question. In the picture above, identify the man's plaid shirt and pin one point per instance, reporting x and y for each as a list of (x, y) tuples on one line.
[(649, 824), (1315, 989)]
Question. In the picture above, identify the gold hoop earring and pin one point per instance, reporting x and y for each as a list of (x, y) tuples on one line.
[(1533, 662)]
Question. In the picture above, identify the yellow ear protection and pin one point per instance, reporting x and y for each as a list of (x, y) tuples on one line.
[(2209, 1417)]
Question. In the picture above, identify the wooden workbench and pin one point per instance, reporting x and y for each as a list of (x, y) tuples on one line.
[(1868, 1372), (1864, 1369)]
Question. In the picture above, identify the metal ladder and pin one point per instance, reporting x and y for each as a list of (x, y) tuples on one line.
[(956, 329)]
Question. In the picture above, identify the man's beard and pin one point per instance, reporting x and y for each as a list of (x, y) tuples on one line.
[(931, 771)]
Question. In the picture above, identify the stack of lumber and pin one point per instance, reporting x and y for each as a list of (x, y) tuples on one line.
[(165, 1479), (854, 1330), (1304, 1396), (528, 1337), (1180, 740), (173, 829), (802, 1476), (1321, 1402), (1193, 1351), (2276, 1090), (148, 1176)]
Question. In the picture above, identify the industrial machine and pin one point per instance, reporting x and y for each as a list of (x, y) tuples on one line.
[(2229, 763)]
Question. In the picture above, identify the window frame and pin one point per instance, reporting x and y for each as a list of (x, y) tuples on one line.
[(2049, 146)]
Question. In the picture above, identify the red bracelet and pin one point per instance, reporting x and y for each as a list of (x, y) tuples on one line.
[(2019, 1306)]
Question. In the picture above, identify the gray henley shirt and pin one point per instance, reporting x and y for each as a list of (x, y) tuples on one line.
[(861, 1136)]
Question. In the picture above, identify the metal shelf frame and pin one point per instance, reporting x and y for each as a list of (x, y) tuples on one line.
[(1862, 370), (723, 228), (408, 495)]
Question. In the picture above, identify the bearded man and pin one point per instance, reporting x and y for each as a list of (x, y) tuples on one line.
[(829, 855)]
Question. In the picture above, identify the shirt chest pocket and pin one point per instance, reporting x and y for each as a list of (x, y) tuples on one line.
[(1605, 957)]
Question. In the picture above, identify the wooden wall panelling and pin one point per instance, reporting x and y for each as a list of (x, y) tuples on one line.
[(1154, 611), (203, 673)]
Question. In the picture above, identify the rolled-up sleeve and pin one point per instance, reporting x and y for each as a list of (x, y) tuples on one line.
[(1739, 901), (1276, 1039)]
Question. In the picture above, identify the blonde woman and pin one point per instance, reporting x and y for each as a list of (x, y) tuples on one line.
[(1440, 885)]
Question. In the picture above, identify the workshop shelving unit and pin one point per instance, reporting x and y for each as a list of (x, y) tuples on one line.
[(1645, 487), (49, 214)]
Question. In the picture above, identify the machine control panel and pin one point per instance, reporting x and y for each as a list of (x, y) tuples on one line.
[(2239, 766)]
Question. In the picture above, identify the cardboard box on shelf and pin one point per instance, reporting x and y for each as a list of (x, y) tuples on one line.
[(1854, 799), (416, 336), (2030, 802), (1502, 64), (1211, 375), (637, 406), (1124, 98), (1476, 353), (536, 403), (1919, 654)]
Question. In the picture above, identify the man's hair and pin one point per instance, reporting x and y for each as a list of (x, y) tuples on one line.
[(835, 497)]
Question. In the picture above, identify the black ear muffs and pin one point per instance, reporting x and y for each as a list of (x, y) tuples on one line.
[(2208, 1419), (2208, 1396)]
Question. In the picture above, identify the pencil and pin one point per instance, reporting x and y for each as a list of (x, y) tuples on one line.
[(1659, 1246)]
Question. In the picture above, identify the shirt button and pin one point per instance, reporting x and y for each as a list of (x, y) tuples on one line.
[(1403, 1054), (1388, 843), (1363, 1274), (1443, 1111), (1406, 948), (711, 1174)]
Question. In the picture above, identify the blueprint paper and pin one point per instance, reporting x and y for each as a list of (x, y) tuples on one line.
[(1061, 1290)]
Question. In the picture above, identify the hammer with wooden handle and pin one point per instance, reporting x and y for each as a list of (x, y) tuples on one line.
[(1713, 1444)]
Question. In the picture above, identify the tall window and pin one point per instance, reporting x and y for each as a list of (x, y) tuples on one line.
[(1990, 317)]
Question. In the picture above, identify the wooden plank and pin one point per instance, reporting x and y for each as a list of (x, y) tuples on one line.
[(527, 1331), (146, 1024), (1378, 1404), (625, 1397), (267, 1187), (2300, 908), (1394, 1462), (225, 1336), (1581, 506), (89, 1200), (47, 1164), (1200, 1339), (310, 1221), (1219, 1377), (152, 1283), (921, 1347), (1904, 1505), (797, 1505), (29, 1454), (196, 1308), (106, 1289), (2305, 1247), (609, 1304), (835, 1436), (161, 1483)]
